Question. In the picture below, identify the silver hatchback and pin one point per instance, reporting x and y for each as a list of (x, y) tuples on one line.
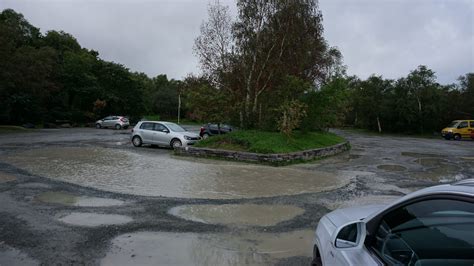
[(433, 226), (117, 122), (163, 134)]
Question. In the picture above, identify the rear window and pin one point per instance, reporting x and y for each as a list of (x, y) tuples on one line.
[(146, 126)]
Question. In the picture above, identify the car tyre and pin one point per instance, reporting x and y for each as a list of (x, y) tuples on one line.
[(98, 126), (176, 143), (137, 141), (205, 136), (447, 137), (118, 126), (317, 258), (457, 137)]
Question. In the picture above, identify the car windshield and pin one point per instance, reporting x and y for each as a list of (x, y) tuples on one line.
[(454, 124), (174, 127)]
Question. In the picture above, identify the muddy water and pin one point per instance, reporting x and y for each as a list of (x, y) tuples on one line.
[(162, 248), (4, 177), (392, 167), (94, 219), (237, 214), (81, 201), (156, 174)]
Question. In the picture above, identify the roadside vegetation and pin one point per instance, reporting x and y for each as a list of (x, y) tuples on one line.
[(267, 69), (270, 142), (13, 129)]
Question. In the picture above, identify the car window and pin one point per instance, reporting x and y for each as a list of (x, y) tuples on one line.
[(463, 124), (159, 127), (146, 126), (441, 229), (108, 118)]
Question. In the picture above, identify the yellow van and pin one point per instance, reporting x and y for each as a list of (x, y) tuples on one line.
[(459, 129)]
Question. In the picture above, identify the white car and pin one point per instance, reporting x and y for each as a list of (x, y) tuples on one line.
[(162, 134), (433, 226), (117, 122)]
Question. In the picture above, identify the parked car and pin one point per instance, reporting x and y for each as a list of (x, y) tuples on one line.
[(163, 134), (212, 129), (458, 129), (433, 226), (117, 122)]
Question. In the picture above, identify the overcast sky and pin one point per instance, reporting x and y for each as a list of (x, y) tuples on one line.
[(386, 37)]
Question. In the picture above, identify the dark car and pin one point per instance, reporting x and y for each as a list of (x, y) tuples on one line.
[(212, 129)]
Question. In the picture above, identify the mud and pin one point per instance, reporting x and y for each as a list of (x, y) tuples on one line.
[(4, 177), (153, 175), (159, 248), (94, 219), (392, 167), (237, 214), (96, 166)]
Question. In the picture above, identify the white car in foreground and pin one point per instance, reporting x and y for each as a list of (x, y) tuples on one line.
[(162, 134), (432, 226)]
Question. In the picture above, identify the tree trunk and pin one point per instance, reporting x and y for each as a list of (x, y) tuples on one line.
[(378, 124), (179, 106)]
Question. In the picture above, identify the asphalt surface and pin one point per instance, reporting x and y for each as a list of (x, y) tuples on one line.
[(47, 218)]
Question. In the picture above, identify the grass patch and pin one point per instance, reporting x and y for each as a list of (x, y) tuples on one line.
[(151, 117), (14, 129), (270, 142)]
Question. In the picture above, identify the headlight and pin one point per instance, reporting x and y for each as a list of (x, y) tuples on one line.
[(187, 138)]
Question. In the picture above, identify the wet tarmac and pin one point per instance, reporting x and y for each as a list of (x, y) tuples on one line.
[(86, 196), (237, 214)]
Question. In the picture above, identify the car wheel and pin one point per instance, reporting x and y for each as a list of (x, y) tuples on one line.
[(316, 258), (137, 141), (118, 126), (176, 143), (98, 125), (457, 137), (447, 137), (205, 136)]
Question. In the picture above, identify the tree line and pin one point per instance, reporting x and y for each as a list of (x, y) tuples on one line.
[(269, 68), (49, 77)]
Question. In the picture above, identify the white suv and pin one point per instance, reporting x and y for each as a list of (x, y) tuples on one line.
[(163, 134)]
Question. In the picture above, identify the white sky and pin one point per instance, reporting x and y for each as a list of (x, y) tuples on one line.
[(386, 37)]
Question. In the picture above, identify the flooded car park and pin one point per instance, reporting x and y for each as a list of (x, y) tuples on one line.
[(88, 197)]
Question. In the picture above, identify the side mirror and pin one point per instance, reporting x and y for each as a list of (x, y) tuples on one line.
[(166, 131), (351, 235)]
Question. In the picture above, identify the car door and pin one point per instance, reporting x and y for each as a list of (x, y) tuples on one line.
[(147, 132), (161, 134), (106, 121), (432, 231), (463, 128)]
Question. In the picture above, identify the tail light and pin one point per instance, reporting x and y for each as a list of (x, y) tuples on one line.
[(122, 119), (202, 129)]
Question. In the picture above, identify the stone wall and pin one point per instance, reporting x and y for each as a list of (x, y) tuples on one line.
[(272, 159)]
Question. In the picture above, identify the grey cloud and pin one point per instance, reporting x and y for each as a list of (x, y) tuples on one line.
[(387, 37)]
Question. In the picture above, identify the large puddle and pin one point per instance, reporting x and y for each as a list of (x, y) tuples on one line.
[(90, 219), (4, 177), (73, 200), (155, 174), (237, 214), (162, 248)]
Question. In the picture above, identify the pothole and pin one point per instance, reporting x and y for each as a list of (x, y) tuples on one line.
[(156, 174), (161, 248), (420, 155), (237, 214), (94, 219), (4, 177), (392, 167), (430, 162), (34, 185), (80, 201), (443, 172)]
